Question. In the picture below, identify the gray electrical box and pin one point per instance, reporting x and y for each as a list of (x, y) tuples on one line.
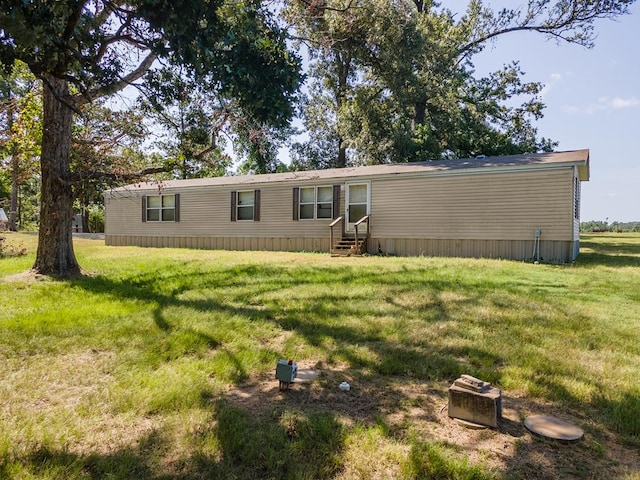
[(286, 371)]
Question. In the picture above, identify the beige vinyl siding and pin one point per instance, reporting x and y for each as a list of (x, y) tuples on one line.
[(206, 211), (503, 206), (576, 219), (473, 214)]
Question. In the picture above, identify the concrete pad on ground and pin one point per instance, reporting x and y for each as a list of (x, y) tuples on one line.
[(306, 375), (554, 428)]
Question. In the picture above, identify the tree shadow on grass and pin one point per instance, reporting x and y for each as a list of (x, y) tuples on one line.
[(612, 244), (122, 464), (327, 321), (623, 414), (339, 320), (612, 253), (587, 259), (278, 445), (317, 320), (233, 445)]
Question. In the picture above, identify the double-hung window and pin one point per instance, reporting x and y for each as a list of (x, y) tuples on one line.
[(313, 203), (161, 208), (245, 205), (307, 203), (324, 202)]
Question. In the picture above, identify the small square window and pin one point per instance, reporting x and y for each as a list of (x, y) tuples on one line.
[(154, 202), (168, 214), (307, 195), (325, 194), (160, 208), (306, 212), (245, 198), (168, 201), (325, 210), (153, 215)]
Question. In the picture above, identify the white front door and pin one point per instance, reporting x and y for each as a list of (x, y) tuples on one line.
[(357, 201)]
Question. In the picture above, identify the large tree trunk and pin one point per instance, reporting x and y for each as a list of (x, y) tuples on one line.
[(419, 114), (85, 220), (55, 245), (342, 154)]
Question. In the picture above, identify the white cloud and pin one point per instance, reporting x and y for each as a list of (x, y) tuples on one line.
[(618, 102), (604, 103), (553, 79)]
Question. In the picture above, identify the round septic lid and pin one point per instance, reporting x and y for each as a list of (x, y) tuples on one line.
[(554, 428)]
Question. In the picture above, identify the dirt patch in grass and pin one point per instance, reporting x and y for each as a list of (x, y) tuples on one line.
[(31, 276), (411, 408)]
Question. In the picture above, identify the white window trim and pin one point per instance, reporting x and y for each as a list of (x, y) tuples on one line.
[(238, 206), (330, 203), (301, 204), (161, 208), (315, 203)]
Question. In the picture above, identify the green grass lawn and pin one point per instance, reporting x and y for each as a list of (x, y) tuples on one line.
[(152, 365)]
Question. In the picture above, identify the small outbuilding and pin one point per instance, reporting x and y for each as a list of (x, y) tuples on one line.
[(513, 207), (4, 220)]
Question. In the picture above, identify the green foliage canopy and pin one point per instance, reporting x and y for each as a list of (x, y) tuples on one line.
[(97, 48), (395, 81)]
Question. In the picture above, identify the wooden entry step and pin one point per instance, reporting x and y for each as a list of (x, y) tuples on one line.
[(346, 247)]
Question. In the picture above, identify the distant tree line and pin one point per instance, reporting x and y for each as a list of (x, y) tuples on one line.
[(605, 226)]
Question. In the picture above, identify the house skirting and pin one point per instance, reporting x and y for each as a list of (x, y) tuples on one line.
[(274, 244), (551, 251)]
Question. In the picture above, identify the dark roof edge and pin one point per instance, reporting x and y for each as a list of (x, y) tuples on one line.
[(576, 158)]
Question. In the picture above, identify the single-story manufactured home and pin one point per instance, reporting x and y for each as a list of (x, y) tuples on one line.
[(513, 207)]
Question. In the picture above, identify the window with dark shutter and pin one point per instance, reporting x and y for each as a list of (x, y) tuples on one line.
[(307, 203), (316, 203), (245, 205), (168, 208), (160, 208), (296, 203), (336, 201), (234, 196), (256, 206)]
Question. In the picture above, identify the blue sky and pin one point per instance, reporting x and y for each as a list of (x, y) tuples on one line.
[(593, 101)]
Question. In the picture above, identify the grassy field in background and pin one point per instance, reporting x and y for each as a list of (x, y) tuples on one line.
[(149, 366)]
